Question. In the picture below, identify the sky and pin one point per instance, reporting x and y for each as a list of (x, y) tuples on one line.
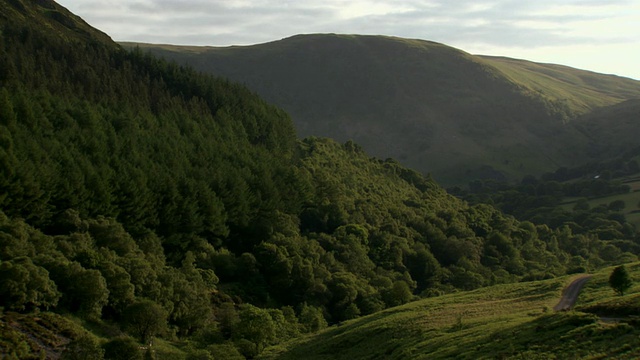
[(597, 35)]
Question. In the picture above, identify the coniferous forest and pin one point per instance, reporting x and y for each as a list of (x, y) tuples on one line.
[(145, 201)]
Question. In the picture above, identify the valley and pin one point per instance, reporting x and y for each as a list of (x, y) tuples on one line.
[(151, 210)]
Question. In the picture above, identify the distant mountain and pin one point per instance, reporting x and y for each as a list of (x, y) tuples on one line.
[(435, 108)]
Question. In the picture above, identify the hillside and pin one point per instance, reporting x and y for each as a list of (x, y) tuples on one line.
[(612, 130), (143, 202), (503, 321), (53, 18), (434, 108)]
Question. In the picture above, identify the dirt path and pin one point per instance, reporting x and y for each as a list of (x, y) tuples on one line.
[(570, 293)]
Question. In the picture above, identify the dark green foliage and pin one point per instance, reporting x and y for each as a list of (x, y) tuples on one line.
[(144, 319), (619, 280), (399, 294), (122, 348), (84, 347), (311, 319), (199, 355), (598, 234), (24, 285), (225, 351), (617, 205)]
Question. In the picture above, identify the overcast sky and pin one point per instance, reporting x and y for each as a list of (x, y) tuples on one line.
[(598, 35)]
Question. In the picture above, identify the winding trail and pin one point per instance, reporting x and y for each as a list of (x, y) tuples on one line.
[(570, 293)]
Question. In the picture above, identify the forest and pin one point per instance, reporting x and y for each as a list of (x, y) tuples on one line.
[(149, 201)]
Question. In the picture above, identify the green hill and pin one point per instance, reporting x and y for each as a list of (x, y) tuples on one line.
[(504, 321), (56, 20), (612, 130), (435, 108), (141, 201)]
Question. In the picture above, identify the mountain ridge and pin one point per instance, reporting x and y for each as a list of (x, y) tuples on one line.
[(435, 108), (55, 17)]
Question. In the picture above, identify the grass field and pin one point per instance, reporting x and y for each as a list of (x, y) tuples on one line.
[(506, 322), (631, 199)]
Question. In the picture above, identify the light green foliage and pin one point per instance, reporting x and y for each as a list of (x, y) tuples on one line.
[(256, 326), (188, 297), (311, 319), (286, 326), (121, 291), (399, 294)]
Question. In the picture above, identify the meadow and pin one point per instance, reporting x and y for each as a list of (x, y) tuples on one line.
[(513, 321)]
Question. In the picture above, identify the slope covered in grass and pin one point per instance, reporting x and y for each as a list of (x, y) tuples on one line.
[(504, 321), (579, 91), (434, 108)]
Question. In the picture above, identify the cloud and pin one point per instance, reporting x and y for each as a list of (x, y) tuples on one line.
[(508, 25), (503, 22)]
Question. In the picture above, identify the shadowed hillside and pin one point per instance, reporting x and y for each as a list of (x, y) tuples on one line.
[(435, 108), (612, 130)]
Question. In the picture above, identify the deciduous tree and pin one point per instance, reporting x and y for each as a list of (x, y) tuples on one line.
[(620, 280), (145, 319)]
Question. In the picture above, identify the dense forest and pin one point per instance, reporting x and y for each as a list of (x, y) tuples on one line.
[(145, 198)]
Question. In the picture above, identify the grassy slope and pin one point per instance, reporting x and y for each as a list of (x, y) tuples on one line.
[(435, 108), (579, 90), (612, 130), (55, 18), (505, 321)]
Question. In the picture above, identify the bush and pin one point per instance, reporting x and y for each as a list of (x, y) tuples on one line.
[(85, 347), (123, 348)]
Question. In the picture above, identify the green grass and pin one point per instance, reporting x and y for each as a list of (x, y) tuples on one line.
[(578, 90), (597, 296), (505, 321), (631, 199)]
